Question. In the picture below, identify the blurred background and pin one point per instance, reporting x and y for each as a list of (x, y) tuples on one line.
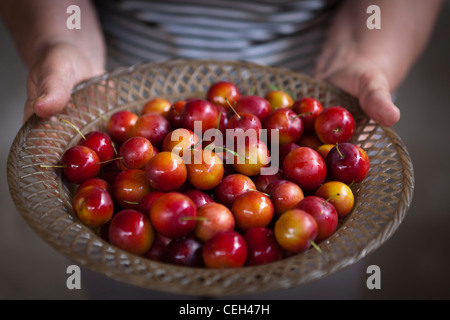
[(414, 262)]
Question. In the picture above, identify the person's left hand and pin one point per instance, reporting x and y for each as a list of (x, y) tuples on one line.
[(366, 81)]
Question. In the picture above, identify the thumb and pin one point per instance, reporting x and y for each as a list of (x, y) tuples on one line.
[(371, 88), (51, 80), (51, 92)]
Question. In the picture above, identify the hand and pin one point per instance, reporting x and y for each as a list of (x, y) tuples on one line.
[(52, 78), (364, 79), (371, 64)]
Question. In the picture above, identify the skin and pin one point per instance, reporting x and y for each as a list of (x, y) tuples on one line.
[(295, 229), (222, 91), (129, 187), (132, 231), (231, 187), (157, 105), (205, 170), (166, 171), (252, 209), (57, 58), (369, 64), (214, 218), (93, 206), (340, 196)]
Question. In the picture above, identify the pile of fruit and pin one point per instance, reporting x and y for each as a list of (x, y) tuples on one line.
[(220, 181)]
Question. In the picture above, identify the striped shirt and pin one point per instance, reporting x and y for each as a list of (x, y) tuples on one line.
[(287, 34)]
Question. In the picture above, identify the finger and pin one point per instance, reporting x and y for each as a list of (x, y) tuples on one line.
[(49, 87), (52, 100), (54, 93), (378, 105), (51, 80), (372, 90), (29, 109), (375, 98)]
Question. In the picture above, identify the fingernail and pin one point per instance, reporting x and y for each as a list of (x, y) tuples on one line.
[(39, 99), (42, 96)]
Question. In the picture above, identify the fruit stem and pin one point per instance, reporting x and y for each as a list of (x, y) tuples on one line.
[(316, 247), (336, 195), (340, 154), (130, 202), (232, 108), (110, 160), (114, 148), (275, 88), (210, 147), (194, 218), (218, 120), (78, 130), (102, 116), (227, 150), (291, 94), (175, 110), (196, 145), (301, 114)]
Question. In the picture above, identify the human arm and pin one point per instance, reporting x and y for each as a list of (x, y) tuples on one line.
[(57, 57), (372, 63)]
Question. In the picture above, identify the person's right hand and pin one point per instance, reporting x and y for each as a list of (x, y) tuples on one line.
[(51, 79)]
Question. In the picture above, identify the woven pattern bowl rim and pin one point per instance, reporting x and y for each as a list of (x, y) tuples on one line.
[(125, 267)]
